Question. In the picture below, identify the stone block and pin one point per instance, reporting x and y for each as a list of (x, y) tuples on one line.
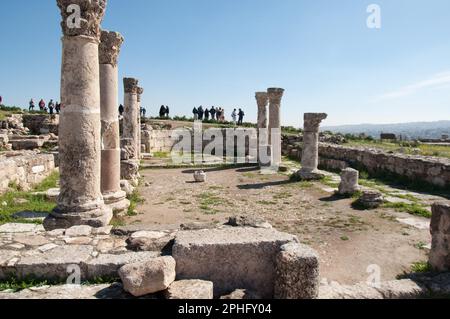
[(190, 289), (232, 258)]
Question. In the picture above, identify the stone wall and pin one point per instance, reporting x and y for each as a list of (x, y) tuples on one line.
[(431, 170), (26, 169), (41, 123)]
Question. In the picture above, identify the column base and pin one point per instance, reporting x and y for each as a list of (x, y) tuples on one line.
[(117, 202), (308, 175), (96, 218), (129, 170)]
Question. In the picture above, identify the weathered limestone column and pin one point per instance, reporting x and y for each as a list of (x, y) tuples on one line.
[(440, 230), (80, 201), (349, 182), (130, 140), (139, 94), (310, 154), (275, 95), (262, 101), (109, 51)]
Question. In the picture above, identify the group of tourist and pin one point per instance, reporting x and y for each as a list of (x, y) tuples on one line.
[(164, 111), (217, 114), (50, 108)]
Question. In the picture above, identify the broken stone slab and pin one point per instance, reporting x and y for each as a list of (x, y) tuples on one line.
[(371, 199), (297, 272), (232, 258), (150, 241), (145, 278), (79, 231), (190, 289), (198, 226), (241, 294), (108, 265), (31, 240), (20, 228), (248, 221)]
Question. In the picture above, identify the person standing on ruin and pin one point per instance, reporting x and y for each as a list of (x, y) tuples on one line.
[(167, 112), (213, 113), (1, 100), (58, 107), (51, 107), (207, 112), (195, 112), (121, 110), (162, 111), (201, 112), (41, 105), (241, 117), (234, 116), (144, 112), (31, 107)]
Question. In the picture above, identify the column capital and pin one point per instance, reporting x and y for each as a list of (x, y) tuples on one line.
[(109, 49), (140, 91), (131, 85), (262, 99), (312, 121), (275, 95), (91, 14)]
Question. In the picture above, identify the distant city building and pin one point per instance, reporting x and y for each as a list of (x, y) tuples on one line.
[(445, 137)]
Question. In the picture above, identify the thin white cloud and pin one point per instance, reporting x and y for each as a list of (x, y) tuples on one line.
[(440, 80)]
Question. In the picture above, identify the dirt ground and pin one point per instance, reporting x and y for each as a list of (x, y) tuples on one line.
[(348, 240)]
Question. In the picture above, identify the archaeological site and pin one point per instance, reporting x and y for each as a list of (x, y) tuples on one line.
[(101, 199)]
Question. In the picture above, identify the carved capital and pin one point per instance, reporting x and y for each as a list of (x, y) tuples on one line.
[(109, 49), (140, 91), (312, 121), (275, 95), (262, 99), (131, 85), (82, 17)]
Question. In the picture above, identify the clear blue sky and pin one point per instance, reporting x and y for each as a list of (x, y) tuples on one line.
[(219, 52)]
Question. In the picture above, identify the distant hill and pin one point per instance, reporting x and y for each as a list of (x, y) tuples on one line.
[(418, 130)]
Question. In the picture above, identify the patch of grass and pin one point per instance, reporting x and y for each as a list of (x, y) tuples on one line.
[(328, 181), (117, 222), (50, 182), (161, 155), (413, 209), (345, 238), (16, 285), (420, 245), (421, 267), (135, 199), (209, 201), (283, 195)]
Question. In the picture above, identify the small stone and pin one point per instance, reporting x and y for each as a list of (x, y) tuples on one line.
[(20, 201), (102, 230), (20, 228), (15, 246), (13, 262), (144, 278), (190, 289), (241, 294), (78, 231), (78, 240), (47, 247), (200, 176), (148, 234), (248, 221), (56, 233)]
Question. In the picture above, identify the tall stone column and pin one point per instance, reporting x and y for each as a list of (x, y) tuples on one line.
[(109, 51), (262, 101), (130, 134), (440, 231), (139, 95), (80, 201), (310, 154), (275, 95)]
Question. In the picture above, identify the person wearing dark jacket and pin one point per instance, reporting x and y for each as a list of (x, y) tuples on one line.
[(195, 112), (121, 109), (207, 112), (167, 111), (201, 112), (162, 111), (241, 117), (213, 113)]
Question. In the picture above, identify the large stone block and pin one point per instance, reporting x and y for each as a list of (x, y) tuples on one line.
[(440, 230), (297, 273), (232, 258), (140, 279), (190, 289)]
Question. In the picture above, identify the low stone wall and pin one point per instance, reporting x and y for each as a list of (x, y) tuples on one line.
[(431, 170), (26, 169), (41, 123)]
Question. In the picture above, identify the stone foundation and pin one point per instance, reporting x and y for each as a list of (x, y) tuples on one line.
[(25, 169)]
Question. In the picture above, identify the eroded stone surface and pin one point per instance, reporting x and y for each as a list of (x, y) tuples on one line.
[(190, 289), (440, 230)]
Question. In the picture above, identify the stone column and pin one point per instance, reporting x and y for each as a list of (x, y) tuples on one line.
[(349, 182), (130, 154), (139, 94), (110, 178), (310, 154), (80, 201), (262, 101), (275, 95), (440, 230)]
